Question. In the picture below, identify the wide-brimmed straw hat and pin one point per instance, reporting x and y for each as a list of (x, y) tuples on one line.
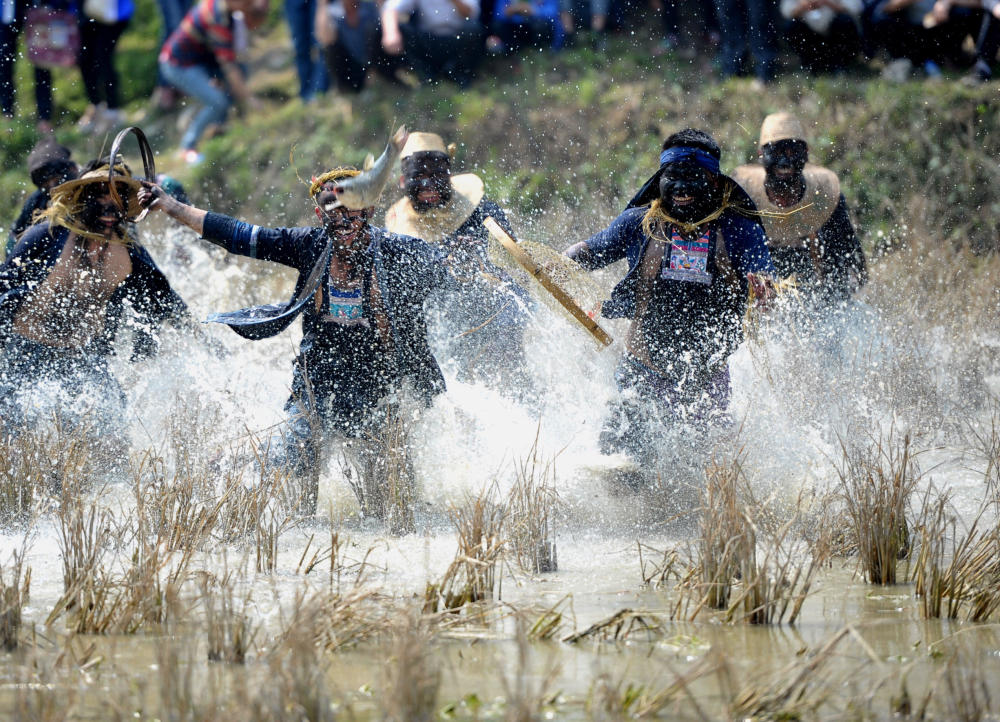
[(435, 224), (69, 191), (425, 143)]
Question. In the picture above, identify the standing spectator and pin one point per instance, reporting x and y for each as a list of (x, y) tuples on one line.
[(987, 41), (706, 25), (439, 39), (313, 79), (49, 164), (101, 25), (171, 13), (12, 19), (202, 49), (522, 24), (743, 24), (898, 27), (823, 33), (594, 11), (349, 33)]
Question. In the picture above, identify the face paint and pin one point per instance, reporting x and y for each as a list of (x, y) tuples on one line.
[(427, 180), (100, 214), (783, 162), (343, 223), (688, 192)]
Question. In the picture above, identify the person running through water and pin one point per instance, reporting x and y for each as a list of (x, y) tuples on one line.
[(70, 284), (360, 293), (694, 248)]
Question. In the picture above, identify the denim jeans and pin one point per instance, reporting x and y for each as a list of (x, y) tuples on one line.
[(196, 81), (743, 23), (313, 79), (171, 13)]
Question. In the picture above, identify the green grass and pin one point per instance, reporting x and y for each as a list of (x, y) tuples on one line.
[(573, 131)]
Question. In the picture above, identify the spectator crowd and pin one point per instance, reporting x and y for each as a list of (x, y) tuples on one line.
[(341, 43)]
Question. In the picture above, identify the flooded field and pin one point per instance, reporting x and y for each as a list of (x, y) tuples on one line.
[(745, 582)]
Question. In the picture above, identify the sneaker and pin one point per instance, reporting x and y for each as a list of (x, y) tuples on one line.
[(932, 70), (88, 121), (191, 156), (109, 120)]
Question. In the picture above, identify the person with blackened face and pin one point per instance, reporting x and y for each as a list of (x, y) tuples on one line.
[(75, 278), (809, 231), (694, 249), (478, 324), (360, 293), (49, 164)]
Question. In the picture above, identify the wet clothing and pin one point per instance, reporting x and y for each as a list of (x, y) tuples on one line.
[(358, 342), (486, 314), (142, 301), (686, 298), (145, 293), (37, 201), (838, 269)]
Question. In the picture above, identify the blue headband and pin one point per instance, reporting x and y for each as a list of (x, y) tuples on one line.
[(680, 153)]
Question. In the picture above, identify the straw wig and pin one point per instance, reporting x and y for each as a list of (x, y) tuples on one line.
[(65, 206)]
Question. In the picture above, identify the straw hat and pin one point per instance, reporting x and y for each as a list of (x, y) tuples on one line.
[(425, 143), (69, 192), (781, 126), (467, 190)]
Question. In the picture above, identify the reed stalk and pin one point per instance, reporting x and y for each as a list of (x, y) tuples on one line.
[(13, 596), (230, 630), (877, 483), (531, 506), (471, 577), (411, 678)]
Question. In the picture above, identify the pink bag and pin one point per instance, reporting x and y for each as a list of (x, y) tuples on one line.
[(52, 37)]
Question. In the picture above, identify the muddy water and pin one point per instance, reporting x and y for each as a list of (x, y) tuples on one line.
[(792, 405)]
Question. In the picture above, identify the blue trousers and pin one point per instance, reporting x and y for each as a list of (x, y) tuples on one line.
[(301, 17)]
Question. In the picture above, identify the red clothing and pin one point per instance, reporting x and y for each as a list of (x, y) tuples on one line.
[(204, 37)]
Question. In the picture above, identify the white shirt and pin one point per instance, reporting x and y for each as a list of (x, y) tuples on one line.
[(437, 16)]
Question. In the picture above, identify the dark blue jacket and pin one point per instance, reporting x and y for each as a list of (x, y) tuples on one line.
[(743, 237), (405, 269), (146, 290)]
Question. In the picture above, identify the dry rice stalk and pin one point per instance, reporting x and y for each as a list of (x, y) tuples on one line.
[(230, 631), (796, 691), (624, 625), (411, 678), (726, 540), (955, 574), (471, 577), (656, 573), (13, 597), (776, 588), (334, 621), (531, 505), (877, 483), (180, 511), (527, 701), (297, 688), (608, 700)]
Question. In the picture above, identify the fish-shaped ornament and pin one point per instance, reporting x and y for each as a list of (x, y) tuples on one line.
[(363, 191)]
